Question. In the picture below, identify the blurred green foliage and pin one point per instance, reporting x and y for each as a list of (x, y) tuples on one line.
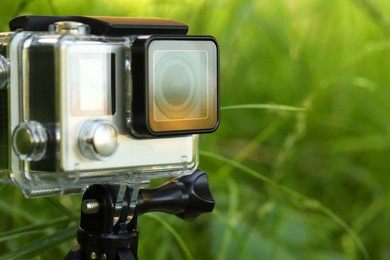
[(309, 183)]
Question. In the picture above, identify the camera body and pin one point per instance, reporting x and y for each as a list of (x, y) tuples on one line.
[(87, 100)]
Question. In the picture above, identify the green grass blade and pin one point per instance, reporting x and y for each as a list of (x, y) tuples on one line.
[(67, 212), (38, 246), (175, 234), (263, 106), (232, 230), (231, 215), (6, 207), (34, 228), (302, 199), (20, 235)]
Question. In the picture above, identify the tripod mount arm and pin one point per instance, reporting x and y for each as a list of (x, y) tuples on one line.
[(105, 234)]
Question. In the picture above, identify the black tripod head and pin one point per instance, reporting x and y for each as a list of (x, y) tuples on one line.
[(109, 232)]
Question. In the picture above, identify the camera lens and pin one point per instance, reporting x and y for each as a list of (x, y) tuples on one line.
[(180, 94), (179, 84)]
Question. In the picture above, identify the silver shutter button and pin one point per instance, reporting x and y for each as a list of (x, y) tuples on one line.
[(98, 139), (29, 141), (69, 27)]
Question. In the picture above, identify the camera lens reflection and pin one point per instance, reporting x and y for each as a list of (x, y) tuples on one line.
[(179, 84), (176, 85)]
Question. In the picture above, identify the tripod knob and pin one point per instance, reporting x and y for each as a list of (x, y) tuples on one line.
[(186, 197)]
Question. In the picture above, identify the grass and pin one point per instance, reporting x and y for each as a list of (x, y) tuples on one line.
[(299, 166)]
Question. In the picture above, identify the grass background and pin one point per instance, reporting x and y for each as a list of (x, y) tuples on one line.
[(300, 164)]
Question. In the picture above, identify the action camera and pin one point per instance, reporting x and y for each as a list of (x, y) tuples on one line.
[(89, 100)]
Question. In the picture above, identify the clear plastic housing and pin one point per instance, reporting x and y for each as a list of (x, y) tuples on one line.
[(63, 82)]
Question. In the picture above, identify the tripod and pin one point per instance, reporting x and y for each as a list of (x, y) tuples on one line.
[(108, 223)]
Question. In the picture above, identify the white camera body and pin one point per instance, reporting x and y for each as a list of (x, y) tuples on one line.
[(73, 103)]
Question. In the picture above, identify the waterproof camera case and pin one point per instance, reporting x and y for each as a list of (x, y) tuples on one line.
[(90, 100)]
